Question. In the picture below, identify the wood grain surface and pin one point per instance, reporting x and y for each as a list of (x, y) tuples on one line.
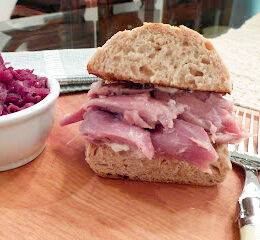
[(57, 196)]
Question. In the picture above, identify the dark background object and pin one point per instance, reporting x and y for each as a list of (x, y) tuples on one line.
[(89, 23)]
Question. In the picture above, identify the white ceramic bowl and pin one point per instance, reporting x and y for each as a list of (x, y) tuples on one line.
[(23, 134)]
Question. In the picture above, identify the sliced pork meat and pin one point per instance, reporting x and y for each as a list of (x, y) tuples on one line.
[(103, 127), (224, 138), (181, 125), (139, 109), (99, 93), (133, 118), (115, 89), (213, 114), (72, 117), (216, 99), (187, 142), (210, 111)]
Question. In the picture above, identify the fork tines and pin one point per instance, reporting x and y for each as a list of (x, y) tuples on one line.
[(250, 145)]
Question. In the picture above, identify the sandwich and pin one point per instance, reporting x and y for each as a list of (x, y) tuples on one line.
[(159, 112)]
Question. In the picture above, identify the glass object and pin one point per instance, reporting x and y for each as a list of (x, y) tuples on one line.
[(60, 24)]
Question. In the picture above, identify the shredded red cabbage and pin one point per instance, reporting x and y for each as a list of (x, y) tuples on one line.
[(20, 89)]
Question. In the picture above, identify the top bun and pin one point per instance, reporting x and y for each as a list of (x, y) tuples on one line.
[(162, 55)]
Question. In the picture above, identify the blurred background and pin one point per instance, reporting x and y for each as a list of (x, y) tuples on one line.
[(60, 24)]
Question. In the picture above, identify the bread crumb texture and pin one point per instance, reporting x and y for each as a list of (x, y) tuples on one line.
[(162, 55), (126, 164)]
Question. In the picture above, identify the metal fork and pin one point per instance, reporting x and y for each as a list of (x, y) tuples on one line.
[(249, 201)]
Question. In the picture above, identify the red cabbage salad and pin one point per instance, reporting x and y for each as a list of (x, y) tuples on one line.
[(19, 89)]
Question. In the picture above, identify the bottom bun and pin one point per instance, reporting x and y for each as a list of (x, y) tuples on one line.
[(127, 164)]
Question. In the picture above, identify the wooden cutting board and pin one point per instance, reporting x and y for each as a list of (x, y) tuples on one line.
[(57, 196)]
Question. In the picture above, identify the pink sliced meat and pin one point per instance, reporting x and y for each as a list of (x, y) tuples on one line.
[(133, 118), (223, 138), (150, 111), (212, 112), (94, 88), (114, 89), (187, 142), (199, 112), (216, 99), (98, 89), (73, 117), (103, 127)]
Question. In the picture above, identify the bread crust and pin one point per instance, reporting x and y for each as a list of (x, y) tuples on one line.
[(127, 164), (162, 55)]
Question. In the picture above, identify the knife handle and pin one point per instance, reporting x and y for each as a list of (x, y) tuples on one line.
[(250, 232)]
